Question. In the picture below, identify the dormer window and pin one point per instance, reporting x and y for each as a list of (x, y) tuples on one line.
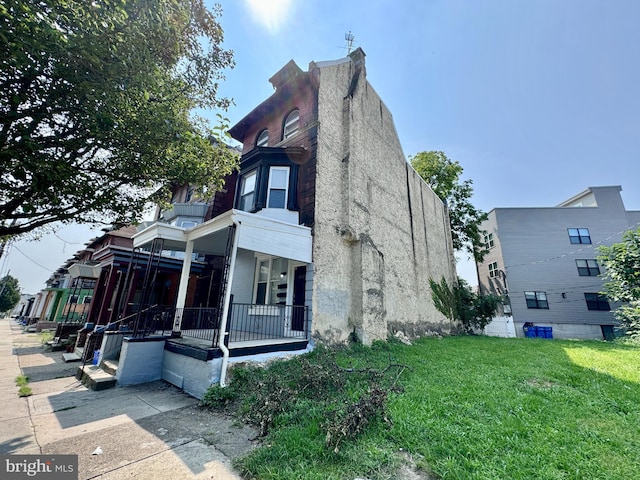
[(291, 124), (263, 138)]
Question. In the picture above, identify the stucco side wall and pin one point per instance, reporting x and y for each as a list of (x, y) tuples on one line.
[(380, 232)]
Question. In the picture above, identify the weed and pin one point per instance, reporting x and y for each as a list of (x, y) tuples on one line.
[(24, 391), (22, 380)]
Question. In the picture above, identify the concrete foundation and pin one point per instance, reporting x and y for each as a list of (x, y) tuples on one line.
[(140, 361)]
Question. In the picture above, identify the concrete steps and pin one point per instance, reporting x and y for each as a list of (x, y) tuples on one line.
[(74, 356), (98, 377)]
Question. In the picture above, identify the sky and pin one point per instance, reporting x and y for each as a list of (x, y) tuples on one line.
[(536, 99)]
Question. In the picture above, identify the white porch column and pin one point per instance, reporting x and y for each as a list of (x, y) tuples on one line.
[(182, 289)]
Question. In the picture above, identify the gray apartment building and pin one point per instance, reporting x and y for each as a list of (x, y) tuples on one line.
[(543, 259)]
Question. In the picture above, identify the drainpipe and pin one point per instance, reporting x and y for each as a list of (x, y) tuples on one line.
[(225, 310)]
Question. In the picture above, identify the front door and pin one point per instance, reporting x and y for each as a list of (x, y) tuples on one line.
[(299, 280)]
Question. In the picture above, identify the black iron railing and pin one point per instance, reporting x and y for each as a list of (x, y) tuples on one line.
[(201, 323), (268, 322)]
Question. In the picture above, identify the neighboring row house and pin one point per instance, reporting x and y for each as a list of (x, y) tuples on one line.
[(544, 261)]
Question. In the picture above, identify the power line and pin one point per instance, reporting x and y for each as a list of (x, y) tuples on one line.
[(32, 260), (583, 248)]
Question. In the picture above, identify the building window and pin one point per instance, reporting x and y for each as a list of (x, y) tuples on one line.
[(493, 269), (579, 235), (247, 191), (488, 240), (588, 268), (271, 281), (263, 138), (277, 190), (536, 299), (595, 301), (291, 124), (86, 299), (73, 299)]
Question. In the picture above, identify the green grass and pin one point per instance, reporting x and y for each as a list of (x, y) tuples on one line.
[(472, 408)]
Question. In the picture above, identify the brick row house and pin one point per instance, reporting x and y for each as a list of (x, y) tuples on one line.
[(323, 233)]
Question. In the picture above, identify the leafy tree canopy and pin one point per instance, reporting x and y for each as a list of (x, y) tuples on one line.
[(9, 293), (95, 107), (443, 176), (621, 263)]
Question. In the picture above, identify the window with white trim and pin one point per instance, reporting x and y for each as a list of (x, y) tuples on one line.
[(493, 270), (488, 240), (278, 187), (291, 124), (263, 138), (247, 191), (271, 281)]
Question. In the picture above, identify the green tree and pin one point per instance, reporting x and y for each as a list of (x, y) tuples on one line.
[(443, 176), (9, 293), (621, 263), (459, 303), (96, 102)]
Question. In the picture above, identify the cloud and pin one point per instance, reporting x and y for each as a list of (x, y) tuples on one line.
[(271, 14)]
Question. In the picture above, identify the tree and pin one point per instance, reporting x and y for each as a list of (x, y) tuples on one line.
[(460, 303), (621, 262), (96, 102), (443, 176), (9, 293)]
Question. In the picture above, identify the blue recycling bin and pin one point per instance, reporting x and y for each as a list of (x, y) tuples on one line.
[(530, 332), (548, 332)]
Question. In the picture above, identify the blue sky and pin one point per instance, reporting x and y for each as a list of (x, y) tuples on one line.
[(537, 100)]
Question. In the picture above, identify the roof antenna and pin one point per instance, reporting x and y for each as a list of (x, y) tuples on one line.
[(349, 38)]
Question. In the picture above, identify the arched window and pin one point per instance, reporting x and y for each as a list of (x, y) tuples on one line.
[(291, 124), (263, 138)]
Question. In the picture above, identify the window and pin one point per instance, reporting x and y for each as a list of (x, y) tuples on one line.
[(278, 183), (536, 299), (488, 240), (493, 270), (263, 138), (588, 268), (291, 124), (271, 281), (86, 299), (579, 235), (73, 299), (247, 191), (595, 301)]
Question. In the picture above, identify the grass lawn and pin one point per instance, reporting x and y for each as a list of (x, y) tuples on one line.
[(474, 408)]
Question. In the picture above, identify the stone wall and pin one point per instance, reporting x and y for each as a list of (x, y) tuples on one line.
[(380, 232)]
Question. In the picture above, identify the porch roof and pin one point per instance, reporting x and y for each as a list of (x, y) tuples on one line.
[(255, 232)]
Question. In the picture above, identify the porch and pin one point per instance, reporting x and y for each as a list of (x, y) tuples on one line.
[(251, 329)]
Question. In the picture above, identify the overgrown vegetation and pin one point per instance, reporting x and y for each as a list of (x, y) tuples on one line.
[(460, 304), (621, 263), (469, 407)]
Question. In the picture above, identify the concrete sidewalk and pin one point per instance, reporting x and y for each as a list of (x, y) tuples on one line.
[(149, 431)]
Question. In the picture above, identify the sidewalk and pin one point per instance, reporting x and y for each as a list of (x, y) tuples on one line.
[(150, 431)]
